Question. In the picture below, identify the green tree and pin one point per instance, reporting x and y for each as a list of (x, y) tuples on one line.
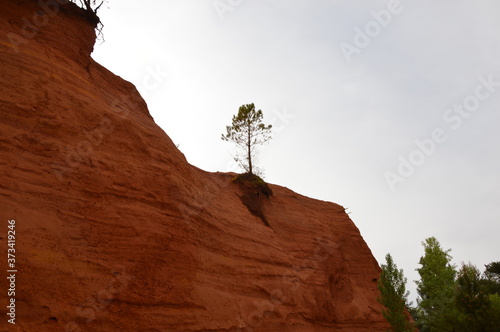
[(492, 274), (495, 308), (473, 301), (247, 131), (494, 268), (436, 288), (491, 281), (393, 296)]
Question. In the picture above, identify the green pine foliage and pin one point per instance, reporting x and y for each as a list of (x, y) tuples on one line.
[(495, 310), (473, 302), (436, 288), (492, 277), (247, 131), (393, 296)]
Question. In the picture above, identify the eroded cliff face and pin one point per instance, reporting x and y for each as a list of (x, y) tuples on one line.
[(116, 231)]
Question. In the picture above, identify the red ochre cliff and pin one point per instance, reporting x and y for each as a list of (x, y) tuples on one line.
[(115, 231)]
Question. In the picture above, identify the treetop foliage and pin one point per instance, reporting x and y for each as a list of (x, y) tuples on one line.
[(247, 131), (436, 285), (493, 269), (393, 296)]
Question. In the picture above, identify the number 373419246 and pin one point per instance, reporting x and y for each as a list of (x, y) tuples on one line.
[(11, 243)]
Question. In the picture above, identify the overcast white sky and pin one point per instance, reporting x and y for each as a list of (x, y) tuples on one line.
[(349, 86)]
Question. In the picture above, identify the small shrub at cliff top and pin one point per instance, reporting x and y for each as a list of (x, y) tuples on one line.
[(254, 182)]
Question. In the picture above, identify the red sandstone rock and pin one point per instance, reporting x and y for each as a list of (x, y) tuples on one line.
[(117, 232)]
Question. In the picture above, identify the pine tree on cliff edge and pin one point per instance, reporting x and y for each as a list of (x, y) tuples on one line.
[(247, 131)]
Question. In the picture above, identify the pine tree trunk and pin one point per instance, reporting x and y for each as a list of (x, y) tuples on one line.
[(249, 152)]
